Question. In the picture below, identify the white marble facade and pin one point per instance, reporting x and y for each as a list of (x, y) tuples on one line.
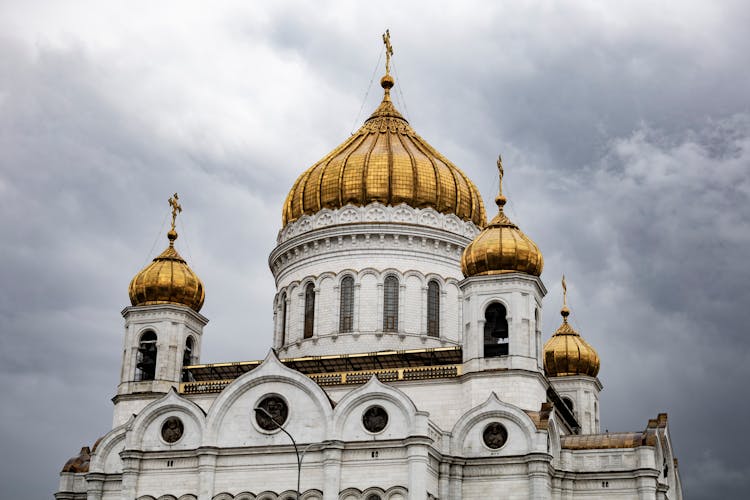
[(433, 444)]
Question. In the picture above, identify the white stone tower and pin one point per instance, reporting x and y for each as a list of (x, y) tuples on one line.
[(163, 328), (572, 366)]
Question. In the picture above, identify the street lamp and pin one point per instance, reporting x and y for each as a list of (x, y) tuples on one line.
[(300, 456)]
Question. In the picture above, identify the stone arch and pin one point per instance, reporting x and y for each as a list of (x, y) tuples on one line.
[(171, 403), (146, 497), (350, 494), (553, 435), (396, 492), (188, 496), (245, 495), (105, 457), (267, 495), (311, 494), (373, 490), (414, 421), (368, 270), (223, 496), (519, 443), (273, 372), (167, 497)]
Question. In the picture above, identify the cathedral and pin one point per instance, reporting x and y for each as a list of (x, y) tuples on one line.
[(407, 360)]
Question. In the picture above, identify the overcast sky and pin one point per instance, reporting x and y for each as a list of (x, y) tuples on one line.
[(625, 134)]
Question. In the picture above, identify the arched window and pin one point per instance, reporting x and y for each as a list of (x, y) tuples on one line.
[(346, 309), (390, 304), (187, 360), (568, 402), (283, 319), (146, 362), (309, 310), (433, 309), (495, 331)]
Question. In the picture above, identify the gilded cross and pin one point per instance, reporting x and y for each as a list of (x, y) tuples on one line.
[(388, 51), (500, 171), (176, 207)]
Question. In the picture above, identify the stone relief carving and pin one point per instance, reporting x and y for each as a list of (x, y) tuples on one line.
[(495, 435), (375, 419), (376, 212), (172, 430), (276, 408)]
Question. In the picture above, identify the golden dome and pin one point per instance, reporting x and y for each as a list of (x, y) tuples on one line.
[(168, 279), (385, 161), (566, 353), (501, 247)]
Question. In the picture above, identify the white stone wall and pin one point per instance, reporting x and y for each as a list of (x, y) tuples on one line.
[(369, 243), (522, 295), (583, 391)]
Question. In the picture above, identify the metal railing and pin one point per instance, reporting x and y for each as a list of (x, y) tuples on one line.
[(343, 378)]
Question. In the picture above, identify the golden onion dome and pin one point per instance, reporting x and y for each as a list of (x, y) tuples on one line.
[(168, 279), (501, 247), (385, 161), (566, 353)]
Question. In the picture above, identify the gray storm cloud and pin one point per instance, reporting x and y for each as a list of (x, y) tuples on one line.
[(625, 131)]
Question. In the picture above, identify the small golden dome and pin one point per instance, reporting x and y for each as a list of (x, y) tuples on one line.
[(501, 247), (566, 353), (385, 161), (168, 279)]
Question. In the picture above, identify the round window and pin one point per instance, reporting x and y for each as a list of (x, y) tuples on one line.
[(172, 430), (271, 413), (495, 435), (375, 419)]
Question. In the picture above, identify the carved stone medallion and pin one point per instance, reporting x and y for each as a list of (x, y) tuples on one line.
[(495, 435), (276, 408), (172, 429), (375, 419)]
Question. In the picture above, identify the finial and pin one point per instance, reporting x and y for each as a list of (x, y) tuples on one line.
[(387, 81), (500, 199), (388, 51), (565, 312), (176, 208)]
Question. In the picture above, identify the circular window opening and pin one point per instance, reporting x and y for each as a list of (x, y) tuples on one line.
[(375, 419), (271, 413), (172, 430), (495, 435)]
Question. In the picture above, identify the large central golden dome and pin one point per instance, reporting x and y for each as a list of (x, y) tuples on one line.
[(385, 161)]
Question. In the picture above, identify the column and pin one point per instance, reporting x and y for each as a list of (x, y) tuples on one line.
[(94, 486), (332, 469), (540, 487), (417, 459), (131, 465), (456, 481), (206, 471)]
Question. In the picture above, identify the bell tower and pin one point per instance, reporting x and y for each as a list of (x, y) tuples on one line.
[(163, 328), (502, 296)]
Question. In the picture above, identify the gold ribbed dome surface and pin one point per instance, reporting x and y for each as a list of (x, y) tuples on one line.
[(501, 247), (168, 279), (385, 161), (566, 353)]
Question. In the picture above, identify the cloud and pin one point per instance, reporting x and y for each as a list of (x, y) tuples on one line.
[(624, 130)]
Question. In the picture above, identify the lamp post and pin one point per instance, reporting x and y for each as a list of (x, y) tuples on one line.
[(300, 456)]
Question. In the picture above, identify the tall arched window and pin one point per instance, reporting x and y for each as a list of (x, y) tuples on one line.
[(283, 319), (346, 307), (433, 309), (187, 359), (495, 331), (309, 310), (146, 362), (390, 304)]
